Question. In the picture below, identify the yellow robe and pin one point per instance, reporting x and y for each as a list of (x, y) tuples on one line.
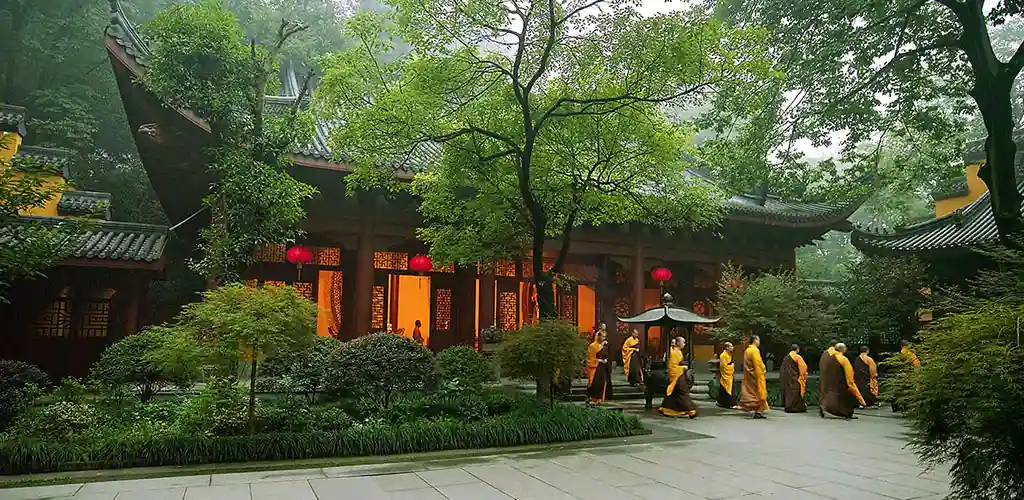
[(725, 371), (848, 373), (627, 352), (754, 394), (802, 366), (592, 351), (675, 374), (872, 373), (911, 356)]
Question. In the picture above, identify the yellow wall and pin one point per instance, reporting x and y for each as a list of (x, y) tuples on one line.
[(975, 188), (11, 143), (587, 309), (414, 304)]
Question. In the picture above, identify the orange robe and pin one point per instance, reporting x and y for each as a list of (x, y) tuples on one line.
[(592, 363), (802, 365), (851, 385), (628, 348), (677, 400), (754, 393)]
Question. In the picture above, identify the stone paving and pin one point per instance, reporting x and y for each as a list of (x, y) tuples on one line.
[(790, 457)]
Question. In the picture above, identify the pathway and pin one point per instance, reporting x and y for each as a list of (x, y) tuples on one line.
[(786, 457)]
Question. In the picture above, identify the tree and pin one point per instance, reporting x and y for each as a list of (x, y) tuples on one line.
[(908, 67), (777, 307), (200, 61), (881, 295), (380, 366), (145, 362), (304, 370), (542, 352), (237, 322), (549, 114)]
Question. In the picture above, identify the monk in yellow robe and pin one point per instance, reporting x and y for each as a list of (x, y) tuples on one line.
[(843, 396), (865, 374), (726, 369), (793, 381), (905, 351), (630, 348), (907, 356), (677, 400), (599, 370), (754, 389)]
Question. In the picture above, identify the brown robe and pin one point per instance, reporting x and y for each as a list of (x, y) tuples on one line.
[(789, 380), (600, 388), (824, 375), (839, 398), (866, 377)]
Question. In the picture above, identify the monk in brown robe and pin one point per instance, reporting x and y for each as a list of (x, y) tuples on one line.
[(599, 370), (726, 369), (865, 374), (842, 395), (754, 389), (793, 381), (677, 402), (824, 380), (631, 348)]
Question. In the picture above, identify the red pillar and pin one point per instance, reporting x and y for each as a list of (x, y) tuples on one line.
[(364, 279), (487, 287), (637, 297)]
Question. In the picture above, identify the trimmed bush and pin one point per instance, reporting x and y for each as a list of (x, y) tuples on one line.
[(220, 409), (559, 424), (134, 362), (464, 366), (302, 371), (542, 352), (380, 366), (17, 380)]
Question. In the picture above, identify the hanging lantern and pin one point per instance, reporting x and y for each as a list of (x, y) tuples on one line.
[(661, 274), (299, 255), (421, 264)]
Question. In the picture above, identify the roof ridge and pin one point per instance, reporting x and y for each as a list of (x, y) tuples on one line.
[(107, 224)]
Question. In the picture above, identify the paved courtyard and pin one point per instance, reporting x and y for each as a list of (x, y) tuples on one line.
[(791, 457)]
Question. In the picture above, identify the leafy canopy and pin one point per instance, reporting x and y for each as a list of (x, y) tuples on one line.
[(379, 367), (525, 120), (541, 352)]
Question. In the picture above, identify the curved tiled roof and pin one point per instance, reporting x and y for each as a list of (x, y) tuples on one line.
[(967, 227), (106, 240), (84, 203), (769, 210), (12, 119)]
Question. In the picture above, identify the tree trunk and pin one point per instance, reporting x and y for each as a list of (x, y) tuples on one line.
[(13, 53), (252, 391), (999, 172), (544, 388)]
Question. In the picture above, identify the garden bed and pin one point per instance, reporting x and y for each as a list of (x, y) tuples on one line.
[(562, 423)]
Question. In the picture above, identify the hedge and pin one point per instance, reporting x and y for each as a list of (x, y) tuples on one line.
[(560, 424)]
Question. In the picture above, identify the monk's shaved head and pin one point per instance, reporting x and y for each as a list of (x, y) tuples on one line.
[(841, 347), (794, 347), (865, 349)]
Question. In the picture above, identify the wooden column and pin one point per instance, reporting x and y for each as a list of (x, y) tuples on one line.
[(486, 300), (131, 316), (465, 303), (363, 279), (637, 296)]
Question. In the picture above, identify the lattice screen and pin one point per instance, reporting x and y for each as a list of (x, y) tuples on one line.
[(377, 303), (505, 268), (443, 309), (327, 256), (581, 272), (55, 320), (569, 307), (274, 283), (622, 311), (394, 261), (507, 314), (336, 289), (450, 268), (252, 283), (527, 268), (306, 289), (95, 319), (270, 253)]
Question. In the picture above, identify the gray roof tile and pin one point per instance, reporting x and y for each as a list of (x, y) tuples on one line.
[(12, 119), (107, 240), (85, 203)]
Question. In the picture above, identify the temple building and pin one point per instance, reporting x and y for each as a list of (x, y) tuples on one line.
[(362, 244), (963, 223), (63, 320)]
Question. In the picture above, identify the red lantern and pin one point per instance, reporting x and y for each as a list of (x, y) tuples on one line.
[(299, 255), (661, 274), (421, 263)]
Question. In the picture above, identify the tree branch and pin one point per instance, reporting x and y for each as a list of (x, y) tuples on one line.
[(1016, 62)]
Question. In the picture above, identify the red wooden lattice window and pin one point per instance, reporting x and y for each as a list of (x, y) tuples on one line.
[(305, 288), (377, 300), (569, 307), (449, 268), (270, 253), (393, 261), (274, 283), (527, 268), (443, 309), (327, 256), (55, 320), (507, 317), (622, 311), (505, 268)]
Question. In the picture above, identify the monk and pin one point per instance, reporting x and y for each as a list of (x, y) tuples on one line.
[(677, 400), (629, 348), (793, 379), (842, 396), (824, 376), (599, 370), (865, 374), (726, 369), (754, 390), (905, 350), (908, 357)]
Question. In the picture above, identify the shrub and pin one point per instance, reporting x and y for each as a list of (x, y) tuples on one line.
[(380, 366), (60, 421), (559, 424), (541, 351), (135, 362), (465, 365), (304, 371), (19, 384), (218, 410), (464, 407), (292, 416), (502, 401)]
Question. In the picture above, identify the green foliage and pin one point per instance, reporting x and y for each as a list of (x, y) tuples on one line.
[(540, 352), (60, 421), (777, 307), (461, 406), (882, 295), (20, 383), (200, 61), (381, 367), (287, 416), (304, 370), (466, 366), (559, 424), (140, 363), (218, 410), (541, 132)]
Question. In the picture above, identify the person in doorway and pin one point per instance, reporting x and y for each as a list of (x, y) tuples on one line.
[(865, 374), (793, 381), (599, 370), (677, 402), (630, 347), (754, 389), (726, 369), (843, 396), (417, 335)]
